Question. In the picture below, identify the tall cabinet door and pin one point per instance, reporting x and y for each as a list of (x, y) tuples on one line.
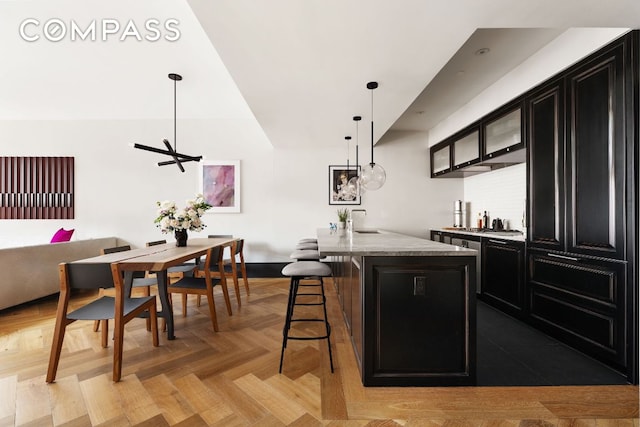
[(596, 156), (545, 133)]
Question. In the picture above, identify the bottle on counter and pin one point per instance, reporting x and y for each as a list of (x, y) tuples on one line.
[(485, 220), (479, 220)]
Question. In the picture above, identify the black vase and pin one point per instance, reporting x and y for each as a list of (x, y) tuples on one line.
[(181, 238)]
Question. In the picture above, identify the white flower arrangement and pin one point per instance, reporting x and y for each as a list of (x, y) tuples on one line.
[(171, 219)]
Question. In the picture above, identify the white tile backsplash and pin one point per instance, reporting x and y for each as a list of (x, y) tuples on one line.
[(501, 193)]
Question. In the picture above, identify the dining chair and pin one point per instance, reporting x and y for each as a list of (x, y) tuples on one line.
[(235, 283), (203, 282), (120, 308), (140, 280), (231, 265)]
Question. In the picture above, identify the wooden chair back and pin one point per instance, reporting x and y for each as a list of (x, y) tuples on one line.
[(239, 246), (85, 276), (213, 260), (156, 243), (115, 249)]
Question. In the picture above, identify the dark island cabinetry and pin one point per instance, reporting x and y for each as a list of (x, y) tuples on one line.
[(347, 277), (409, 305), (420, 313)]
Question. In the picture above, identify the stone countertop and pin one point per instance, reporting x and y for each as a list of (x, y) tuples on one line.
[(383, 243), (517, 237)]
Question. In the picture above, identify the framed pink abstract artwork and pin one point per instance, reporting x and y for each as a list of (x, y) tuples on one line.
[(220, 184)]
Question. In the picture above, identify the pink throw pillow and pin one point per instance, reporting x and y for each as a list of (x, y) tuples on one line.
[(62, 235)]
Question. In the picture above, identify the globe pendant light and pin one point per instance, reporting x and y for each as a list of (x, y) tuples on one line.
[(355, 181), (373, 175)]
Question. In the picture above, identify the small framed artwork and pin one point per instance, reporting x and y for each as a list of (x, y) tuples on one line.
[(341, 192), (220, 185)]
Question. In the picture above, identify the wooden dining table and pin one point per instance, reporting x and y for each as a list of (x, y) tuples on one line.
[(158, 259)]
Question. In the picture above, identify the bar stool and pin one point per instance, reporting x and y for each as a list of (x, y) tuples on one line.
[(307, 245), (308, 240), (298, 271), (305, 255)]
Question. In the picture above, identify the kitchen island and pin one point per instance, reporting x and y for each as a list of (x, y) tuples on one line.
[(408, 304)]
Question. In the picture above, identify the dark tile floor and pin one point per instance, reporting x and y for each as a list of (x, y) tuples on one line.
[(512, 353)]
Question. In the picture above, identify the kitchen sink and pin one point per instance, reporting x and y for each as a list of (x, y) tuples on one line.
[(368, 231)]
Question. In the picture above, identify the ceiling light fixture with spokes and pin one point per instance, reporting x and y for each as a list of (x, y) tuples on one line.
[(178, 158)]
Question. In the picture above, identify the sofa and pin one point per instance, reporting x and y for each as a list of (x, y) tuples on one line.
[(31, 272)]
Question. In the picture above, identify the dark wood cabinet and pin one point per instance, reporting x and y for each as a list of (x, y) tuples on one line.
[(581, 132), (582, 302), (502, 136), (440, 159), (420, 319), (596, 148), (545, 132), (465, 148), (503, 275), (577, 158), (582, 129), (456, 156), (347, 279), (495, 141), (411, 320), (356, 308)]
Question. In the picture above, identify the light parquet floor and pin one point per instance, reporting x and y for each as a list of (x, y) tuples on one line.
[(230, 378)]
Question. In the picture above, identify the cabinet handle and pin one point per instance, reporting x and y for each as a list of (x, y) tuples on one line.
[(570, 258), (498, 241)]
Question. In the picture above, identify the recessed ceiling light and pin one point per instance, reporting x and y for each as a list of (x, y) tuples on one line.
[(482, 51)]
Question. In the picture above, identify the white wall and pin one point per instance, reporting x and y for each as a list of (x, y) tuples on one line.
[(501, 193), (284, 193)]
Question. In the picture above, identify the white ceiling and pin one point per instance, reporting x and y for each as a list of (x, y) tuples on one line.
[(301, 66), (485, 57)]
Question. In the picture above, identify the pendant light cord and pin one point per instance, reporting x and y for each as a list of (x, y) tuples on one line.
[(372, 162), (175, 141), (357, 120), (371, 86), (357, 138), (348, 138)]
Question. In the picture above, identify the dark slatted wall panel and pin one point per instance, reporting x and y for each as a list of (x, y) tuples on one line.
[(36, 188)]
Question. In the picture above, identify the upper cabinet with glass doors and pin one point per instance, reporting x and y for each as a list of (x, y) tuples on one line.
[(440, 159), (503, 135), (466, 149), (493, 142), (454, 156)]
